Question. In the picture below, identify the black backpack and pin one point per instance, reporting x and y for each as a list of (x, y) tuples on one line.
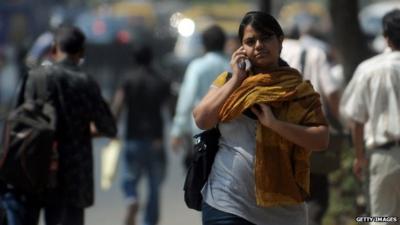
[(29, 140)]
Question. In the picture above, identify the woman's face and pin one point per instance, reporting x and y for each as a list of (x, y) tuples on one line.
[(262, 49)]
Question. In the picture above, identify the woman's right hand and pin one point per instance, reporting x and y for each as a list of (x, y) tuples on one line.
[(237, 56)]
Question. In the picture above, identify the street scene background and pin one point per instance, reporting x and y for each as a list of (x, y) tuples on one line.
[(114, 28)]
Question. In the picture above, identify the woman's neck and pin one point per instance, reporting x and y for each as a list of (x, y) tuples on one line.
[(265, 69)]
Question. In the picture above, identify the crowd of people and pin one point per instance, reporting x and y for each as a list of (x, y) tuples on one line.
[(282, 119)]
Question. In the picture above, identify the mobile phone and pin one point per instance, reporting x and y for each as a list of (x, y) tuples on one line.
[(244, 64)]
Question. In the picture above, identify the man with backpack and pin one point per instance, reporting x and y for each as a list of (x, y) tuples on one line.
[(80, 114)]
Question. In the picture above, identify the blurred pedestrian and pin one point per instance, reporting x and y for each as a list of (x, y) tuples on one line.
[(40, 51), (232, 44), (314, 66), (81, 114), (371, 103), (269, 120), (144, 93), (198, 76)]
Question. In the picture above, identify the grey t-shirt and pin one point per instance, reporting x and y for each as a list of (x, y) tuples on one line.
[(231, 186)]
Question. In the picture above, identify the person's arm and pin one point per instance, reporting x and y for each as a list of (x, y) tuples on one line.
[(103, 122), (310, 137), (206, 112), (333, 103), (182, 119), (360, 161), (118, 103)]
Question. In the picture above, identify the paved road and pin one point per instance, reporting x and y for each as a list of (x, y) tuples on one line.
[(109, 208)]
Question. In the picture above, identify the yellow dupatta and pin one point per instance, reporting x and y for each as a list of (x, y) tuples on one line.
[(281, 167)]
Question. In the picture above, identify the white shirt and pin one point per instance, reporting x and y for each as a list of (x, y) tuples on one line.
[(316, 66), (231, 184), (373, 98)]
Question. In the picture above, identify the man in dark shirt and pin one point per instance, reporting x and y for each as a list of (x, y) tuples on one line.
[(143, 92), (81, 114)]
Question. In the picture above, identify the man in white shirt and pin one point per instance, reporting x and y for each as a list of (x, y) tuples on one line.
[(199, 75), (371, 103)]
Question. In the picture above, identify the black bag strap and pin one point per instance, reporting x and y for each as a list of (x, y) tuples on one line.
[(41, 85), (303, 56)]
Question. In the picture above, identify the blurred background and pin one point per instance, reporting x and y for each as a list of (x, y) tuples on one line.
[(351, 30)]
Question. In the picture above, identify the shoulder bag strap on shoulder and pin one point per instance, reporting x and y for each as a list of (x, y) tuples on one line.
[(41, 85), (303, 60)]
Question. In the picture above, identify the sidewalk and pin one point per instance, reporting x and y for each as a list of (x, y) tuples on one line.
[(109, 208)]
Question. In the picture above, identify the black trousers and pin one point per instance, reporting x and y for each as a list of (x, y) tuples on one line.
[(318, 202)]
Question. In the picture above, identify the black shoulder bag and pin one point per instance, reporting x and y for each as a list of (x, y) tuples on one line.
[(205, 148)]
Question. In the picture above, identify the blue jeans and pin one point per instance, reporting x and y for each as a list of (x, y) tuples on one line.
[(144, 157), (20, 211), (213, 216)]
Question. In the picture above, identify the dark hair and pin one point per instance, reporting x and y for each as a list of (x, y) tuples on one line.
[(262, 22), (70, 39), (391, 27), (143, 55), (213, 38)]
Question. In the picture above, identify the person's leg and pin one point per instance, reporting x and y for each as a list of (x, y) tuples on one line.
[(19, 212), (213, 216), (32, 215), (2, 210), (3, 219), (384, 184), (53, 214), (132, 169), (13, 209), (156, 174), (73, 216), (53, 206), (318, 202)]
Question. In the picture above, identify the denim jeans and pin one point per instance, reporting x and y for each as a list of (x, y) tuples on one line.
[(19, 211), (144, 157), (213, 216)]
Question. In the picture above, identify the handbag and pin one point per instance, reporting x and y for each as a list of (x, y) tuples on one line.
[(109, 163), (205, 149)]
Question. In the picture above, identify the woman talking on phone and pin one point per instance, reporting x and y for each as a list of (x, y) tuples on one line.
[(270, 120)]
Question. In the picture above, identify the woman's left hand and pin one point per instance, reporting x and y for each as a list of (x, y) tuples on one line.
[(309, 137), (264, 114)]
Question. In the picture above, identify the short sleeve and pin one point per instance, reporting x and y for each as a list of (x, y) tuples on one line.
[(220, 80), (313, 114), (354, 101)]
